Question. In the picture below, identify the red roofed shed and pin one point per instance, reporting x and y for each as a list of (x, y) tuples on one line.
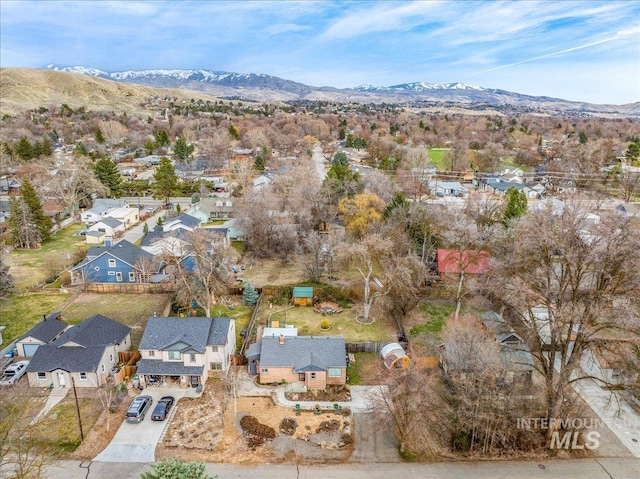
[(469, 261)]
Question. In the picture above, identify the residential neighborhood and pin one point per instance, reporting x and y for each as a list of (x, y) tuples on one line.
[(319, 282)]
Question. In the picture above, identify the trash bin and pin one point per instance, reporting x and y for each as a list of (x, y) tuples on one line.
[(136, 381)]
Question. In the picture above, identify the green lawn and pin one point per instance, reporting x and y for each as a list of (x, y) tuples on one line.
[(435, 316), (436, 155), (365, 369), (21, 312), (130, 309), (30, 267), (342, 324)]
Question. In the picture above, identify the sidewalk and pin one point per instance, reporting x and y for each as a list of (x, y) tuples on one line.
[(55, 396)]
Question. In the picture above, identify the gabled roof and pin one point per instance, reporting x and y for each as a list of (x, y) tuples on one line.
[(109, 221), (162, 333), (97, 329), (47, 329), (80, 347), (102, 205), (469, 261), (122, 250), (303, 353), (184, 219), (50, 357)]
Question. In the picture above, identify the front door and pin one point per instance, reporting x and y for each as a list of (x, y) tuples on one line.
[(61, 380), (301, 377)]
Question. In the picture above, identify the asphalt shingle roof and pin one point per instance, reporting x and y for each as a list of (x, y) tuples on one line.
[(195, 333), (167, 368), (304, 353), (122, 250), (47, 329), (93, 335), (97, 329), (110, 222)]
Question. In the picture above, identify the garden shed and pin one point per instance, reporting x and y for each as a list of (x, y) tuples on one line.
[(394, 356), (303, 296)]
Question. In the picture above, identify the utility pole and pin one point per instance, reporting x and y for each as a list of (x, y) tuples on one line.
[(75, 393)]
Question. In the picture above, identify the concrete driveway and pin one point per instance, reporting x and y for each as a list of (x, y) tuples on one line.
[(137, 442)]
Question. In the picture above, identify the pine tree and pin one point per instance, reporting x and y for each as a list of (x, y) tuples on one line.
[(32, 200), (249, 295), (107, 172), (23, 230), (182, 151), (166, 180)]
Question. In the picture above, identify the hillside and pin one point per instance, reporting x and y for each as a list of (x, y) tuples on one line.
[(24, 89)]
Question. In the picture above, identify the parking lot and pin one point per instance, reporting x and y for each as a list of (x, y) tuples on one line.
[(137, 442)]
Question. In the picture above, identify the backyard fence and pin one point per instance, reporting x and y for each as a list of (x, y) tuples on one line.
[(369, 347), (130, 288)]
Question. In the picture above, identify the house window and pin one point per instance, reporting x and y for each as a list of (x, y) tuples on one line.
[(216, 366), (102, 368), (335, 372), (111, 273), (313, 375), (112, 263), (118, 276), (132, 277), (174, 355), (83, 376), (214, 349), (42, 376), (264, 370), (111, 357), (615, 374), (192, 358), (152, 354)]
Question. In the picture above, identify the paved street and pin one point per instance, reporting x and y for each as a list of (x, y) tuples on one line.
[(318, 159), (615, 468)]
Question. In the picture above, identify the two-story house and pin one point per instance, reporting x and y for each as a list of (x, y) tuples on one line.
[(122, 262), (185, 351)]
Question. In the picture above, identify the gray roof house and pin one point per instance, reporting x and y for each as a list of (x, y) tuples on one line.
[(84, 354), (101, 208), (186, 350), (42, 333), (312, 361)]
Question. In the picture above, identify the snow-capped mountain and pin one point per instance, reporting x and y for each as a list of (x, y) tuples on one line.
[(419, 87), (261, 87)]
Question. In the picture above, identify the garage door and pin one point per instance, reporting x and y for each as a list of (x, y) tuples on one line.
[(30, 349)]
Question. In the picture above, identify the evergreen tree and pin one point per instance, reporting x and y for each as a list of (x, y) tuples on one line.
[(32, 200), (516, 206), (99, 136), (233, 131), (107, 173), (182, 151), (6, 281), (23, 230), (166, 180), (162, 138), (24, 149), (341, 159), (250, 295), (398, 203), (145, 229)]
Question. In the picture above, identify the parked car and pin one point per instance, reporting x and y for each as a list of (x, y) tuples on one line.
[(161, 411), (13, 372), (138, 408)]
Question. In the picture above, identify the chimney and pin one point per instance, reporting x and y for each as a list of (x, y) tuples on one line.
[(282, 339)]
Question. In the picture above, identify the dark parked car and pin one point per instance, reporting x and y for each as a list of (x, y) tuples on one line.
[(161, 411), (138, 408)]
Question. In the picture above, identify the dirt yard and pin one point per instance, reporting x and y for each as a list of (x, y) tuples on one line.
[(202, 431)]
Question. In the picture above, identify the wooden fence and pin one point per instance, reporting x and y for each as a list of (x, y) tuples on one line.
[(129, 370), (247, 336), (369, 347), (130, 288)]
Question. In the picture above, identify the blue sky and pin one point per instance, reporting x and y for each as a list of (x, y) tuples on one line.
[(584, 50)]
